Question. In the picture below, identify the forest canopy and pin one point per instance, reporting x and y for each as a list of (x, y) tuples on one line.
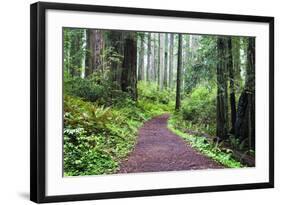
[(114, 81)]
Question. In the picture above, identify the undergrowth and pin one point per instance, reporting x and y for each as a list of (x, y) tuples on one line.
[(98, 137), (199, 109), (210, 149)]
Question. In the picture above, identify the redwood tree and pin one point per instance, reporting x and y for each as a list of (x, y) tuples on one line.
[(165, 80), (245, 122), (171, 60), (222, 97), (148, 57), (231, 84), (141, 58), (129, 72), (179, 74)]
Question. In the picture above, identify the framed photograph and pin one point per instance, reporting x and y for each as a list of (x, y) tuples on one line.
[(129, 102)]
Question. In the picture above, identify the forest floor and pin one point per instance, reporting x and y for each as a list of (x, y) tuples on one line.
[(158, 149)]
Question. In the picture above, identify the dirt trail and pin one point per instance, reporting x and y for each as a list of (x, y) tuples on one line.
[(158, 149)]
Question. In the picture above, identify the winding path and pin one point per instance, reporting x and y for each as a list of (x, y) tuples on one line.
[(158, 149)]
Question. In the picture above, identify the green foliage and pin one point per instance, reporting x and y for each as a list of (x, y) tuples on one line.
[(97, 138), (111, 57), (96, 88), (87, 89), (200, 143), (84, 154), (150, 91), (101, 121), (74, 50), (236, 143), (199, 108), (201, 66)]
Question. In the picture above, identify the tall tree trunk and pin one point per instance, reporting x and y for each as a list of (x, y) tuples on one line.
[(165, 81), (94, 47), (66, 50), (160, 61), (179, 74), (98, 47), (75, 53), (152, 74), (236, 45), (222, 102), (171, 55), (155, 57), (90, 52), (231, 84), (185, 59), (148, 57), (245, 122), (141, 58), (129, 73)]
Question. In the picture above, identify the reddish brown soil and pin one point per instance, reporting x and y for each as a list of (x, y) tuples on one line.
[(158, 149)]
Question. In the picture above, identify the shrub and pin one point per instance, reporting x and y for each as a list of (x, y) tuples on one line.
[(84, 88), (84, 154), (96, 88), (150, 91), (200, 107)]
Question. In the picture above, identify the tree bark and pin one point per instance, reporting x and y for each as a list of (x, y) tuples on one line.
[(245, 122), (160, 62), (90, 52), (231, 84), (129, 73), (148, 57), (75, 53), (179, 74), (222, 105), (155, 57), (141, 58), (236, 44), (98, 45), (171, 55), (165, 81)]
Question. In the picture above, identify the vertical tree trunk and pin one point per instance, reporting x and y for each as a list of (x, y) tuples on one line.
[(94, 45), (236, 44), (141, 58), (148, 57), (171, 55), (84, 44), (129, 73), (155, 57), (75, 53), (160, 62), (90, 52), (66, 50), (231, 84), (179, 74), (245, 122), (222, 105), (100, 48), (165, 81), (185, 59)]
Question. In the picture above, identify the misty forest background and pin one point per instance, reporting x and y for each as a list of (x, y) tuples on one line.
[(116, 80)]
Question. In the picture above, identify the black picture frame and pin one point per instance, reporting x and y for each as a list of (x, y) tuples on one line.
[(38, 101)]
